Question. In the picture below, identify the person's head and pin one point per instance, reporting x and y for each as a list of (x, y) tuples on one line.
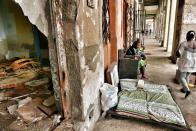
[(138, 40), (190, 35), (136, 44)]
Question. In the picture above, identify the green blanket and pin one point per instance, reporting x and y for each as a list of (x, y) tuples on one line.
[(152, 101)]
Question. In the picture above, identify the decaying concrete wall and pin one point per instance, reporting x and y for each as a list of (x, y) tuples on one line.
[(160, 21), (80, 52), (178, 30), (188, 18), (187, 21), (34, 9), (38, 13), (16, 35), (78, 34)]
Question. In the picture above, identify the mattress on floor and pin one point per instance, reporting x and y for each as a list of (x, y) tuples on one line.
[(152, 101)]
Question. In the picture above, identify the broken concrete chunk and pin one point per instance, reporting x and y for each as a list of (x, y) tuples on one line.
[(49, 102), (66, 125), (18, 125), (24, 102), (30, 113), (3, 112), (2, 96), (56, 119), (46, 110), (12, 109)]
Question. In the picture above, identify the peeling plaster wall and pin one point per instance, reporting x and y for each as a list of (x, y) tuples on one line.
[(80, 52), (160, 21), (178, 25), (188, 18), (186, 21), (16, 35), (38, 13), (35, 10), (90, 52), (78, 33)]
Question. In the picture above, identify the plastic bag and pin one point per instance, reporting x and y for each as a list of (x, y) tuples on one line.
[(109, 97)]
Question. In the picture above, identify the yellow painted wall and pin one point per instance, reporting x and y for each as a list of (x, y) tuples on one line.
[(17, 29), (23, 26)]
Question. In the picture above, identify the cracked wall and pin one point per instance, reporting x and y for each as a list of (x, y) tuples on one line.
[(16, 35), (77, 30), (38, 13), (88, 40), (188, 18), (186, 21)]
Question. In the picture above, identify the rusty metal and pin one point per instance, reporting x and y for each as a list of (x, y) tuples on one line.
[(56, 7), (106, 21)]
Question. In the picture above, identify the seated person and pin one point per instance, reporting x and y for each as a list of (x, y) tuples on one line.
[(139, 48), (136, 51)]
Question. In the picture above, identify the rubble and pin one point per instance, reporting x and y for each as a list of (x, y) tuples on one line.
[(56, 119), (2, 96), (46, 110), (22, 92), (30, 113), (18, 125), (66, 125), (24, 101), (3, 112), (49, 102), (11, 109)]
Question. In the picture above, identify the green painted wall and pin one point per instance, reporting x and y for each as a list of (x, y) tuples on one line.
[(16, 35)]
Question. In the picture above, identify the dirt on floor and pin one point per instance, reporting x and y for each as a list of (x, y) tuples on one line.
[(160, 70), (26, 97)]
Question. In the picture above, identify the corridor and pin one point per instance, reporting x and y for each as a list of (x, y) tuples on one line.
[(79, 46), (159, 70)]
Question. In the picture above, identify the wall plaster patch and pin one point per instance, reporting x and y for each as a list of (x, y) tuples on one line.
[(91, 3)]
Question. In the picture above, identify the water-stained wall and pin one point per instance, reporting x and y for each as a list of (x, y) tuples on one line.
[(77, 31), (186, 21), (80, 53), (16, 35)]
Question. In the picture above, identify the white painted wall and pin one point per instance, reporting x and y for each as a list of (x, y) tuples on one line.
[(172, 25), (167, 23)]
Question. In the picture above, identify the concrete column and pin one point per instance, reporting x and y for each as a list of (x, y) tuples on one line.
[(115, 27), (167, 23), (172, 25)]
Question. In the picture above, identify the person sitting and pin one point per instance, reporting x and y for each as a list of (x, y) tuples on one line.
[(139, 49), (136, 51)]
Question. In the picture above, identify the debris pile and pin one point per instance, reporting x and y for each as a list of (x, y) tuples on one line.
[(25, 93)]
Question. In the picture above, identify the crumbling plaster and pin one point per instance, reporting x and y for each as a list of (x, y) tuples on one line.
[(78, 32), (35, 10), (38, 13), (188, 19), (90, 49)]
